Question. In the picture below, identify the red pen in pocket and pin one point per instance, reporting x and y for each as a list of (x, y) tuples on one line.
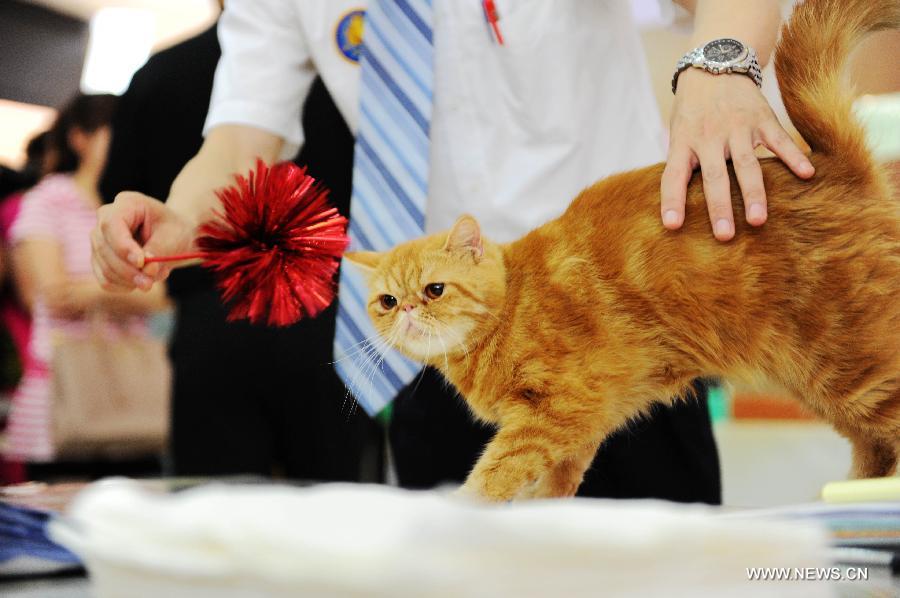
[(492, 17)]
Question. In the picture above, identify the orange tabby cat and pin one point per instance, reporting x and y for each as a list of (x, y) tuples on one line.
[(565, 335)]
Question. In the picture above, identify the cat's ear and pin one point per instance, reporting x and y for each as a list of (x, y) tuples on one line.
[(465, 236), (366, 261)]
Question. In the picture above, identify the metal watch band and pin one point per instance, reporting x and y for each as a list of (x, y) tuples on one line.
[(683, 63), (749, 66)]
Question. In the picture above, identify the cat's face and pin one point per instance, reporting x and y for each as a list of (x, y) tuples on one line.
[(434, 297)]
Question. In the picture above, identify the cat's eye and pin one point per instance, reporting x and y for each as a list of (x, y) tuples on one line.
[(388, 301), (434, 290)]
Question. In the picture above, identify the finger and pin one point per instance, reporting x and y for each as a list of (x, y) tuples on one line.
[(104, 282), (776, 139), (98, 263), (115, 270), (152, 270), (164, 272), (160, 273), (110, 282), (673, 186), (117, 223), (717, 191), (749, 176), (156, 272)]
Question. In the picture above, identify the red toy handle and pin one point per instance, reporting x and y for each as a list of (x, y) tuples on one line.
[(174, 258)]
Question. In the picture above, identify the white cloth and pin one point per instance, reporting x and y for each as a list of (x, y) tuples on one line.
[(357, 540), (517, 130)]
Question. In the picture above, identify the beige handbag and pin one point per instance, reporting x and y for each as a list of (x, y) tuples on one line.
[(110, 394)]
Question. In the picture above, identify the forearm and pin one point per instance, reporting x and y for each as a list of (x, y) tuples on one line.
[(754, 23), (228, 150)]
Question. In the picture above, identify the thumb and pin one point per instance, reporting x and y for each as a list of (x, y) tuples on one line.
[(168, 237), (157, 244)]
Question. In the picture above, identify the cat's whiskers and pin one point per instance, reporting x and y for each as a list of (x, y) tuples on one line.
[(371, 347), (358, 348), (388, 343), (421, 375), (444, 346), (428, 342), (348, 395), (364, 346), (367, 372), (432, 319), (458, 338), (376, 354), (350, 355), (393, 342)]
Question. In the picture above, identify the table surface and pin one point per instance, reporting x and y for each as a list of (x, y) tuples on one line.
[(67, 587), (880, 583)]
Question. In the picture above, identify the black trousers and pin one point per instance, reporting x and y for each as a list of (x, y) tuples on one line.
[(250, 399), (669, 455)]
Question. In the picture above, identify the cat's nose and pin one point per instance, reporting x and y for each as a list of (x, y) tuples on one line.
[(408, 307)]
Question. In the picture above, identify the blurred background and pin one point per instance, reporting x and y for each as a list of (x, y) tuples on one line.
[(51, 48), (772, 452)]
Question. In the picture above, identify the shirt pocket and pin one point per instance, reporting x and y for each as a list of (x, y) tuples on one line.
[(549, 49)]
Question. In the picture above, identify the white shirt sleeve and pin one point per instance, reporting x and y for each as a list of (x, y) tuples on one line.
[(265, 71)]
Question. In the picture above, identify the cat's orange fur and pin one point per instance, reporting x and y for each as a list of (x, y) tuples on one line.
[(563, 336)]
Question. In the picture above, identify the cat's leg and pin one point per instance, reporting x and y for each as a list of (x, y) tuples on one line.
[(520, 455), (564, 479), (868, 418), (875, 437), (512, 462), (872, 457)]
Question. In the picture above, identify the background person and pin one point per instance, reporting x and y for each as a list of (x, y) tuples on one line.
[(15, 318), (51, 246)]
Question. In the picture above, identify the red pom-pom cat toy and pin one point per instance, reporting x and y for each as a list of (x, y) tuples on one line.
[(276, 246)]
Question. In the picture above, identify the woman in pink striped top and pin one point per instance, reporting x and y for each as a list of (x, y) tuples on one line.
[(52, 264)]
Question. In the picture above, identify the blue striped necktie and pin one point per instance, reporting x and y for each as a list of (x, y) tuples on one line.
[(390, 184)]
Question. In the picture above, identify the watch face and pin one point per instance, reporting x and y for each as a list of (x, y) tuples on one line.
[(723, 50)]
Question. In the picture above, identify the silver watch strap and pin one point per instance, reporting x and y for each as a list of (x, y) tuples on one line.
[(683, 63), (754, 71), (694, 58)]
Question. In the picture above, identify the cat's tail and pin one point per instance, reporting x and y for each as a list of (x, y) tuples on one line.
[(810, 61)]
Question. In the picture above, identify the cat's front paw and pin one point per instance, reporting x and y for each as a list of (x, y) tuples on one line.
[(471, 493), (483, 491)]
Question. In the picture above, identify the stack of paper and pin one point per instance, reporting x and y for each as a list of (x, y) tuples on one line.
[(875, 524), (859, 514)]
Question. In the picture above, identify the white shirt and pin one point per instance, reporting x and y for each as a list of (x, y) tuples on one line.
[(517, 130)]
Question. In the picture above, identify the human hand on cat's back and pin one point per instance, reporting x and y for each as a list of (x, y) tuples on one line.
[(714, 118), (132, 228)]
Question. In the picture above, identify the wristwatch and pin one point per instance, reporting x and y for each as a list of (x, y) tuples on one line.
[(724, 55)]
